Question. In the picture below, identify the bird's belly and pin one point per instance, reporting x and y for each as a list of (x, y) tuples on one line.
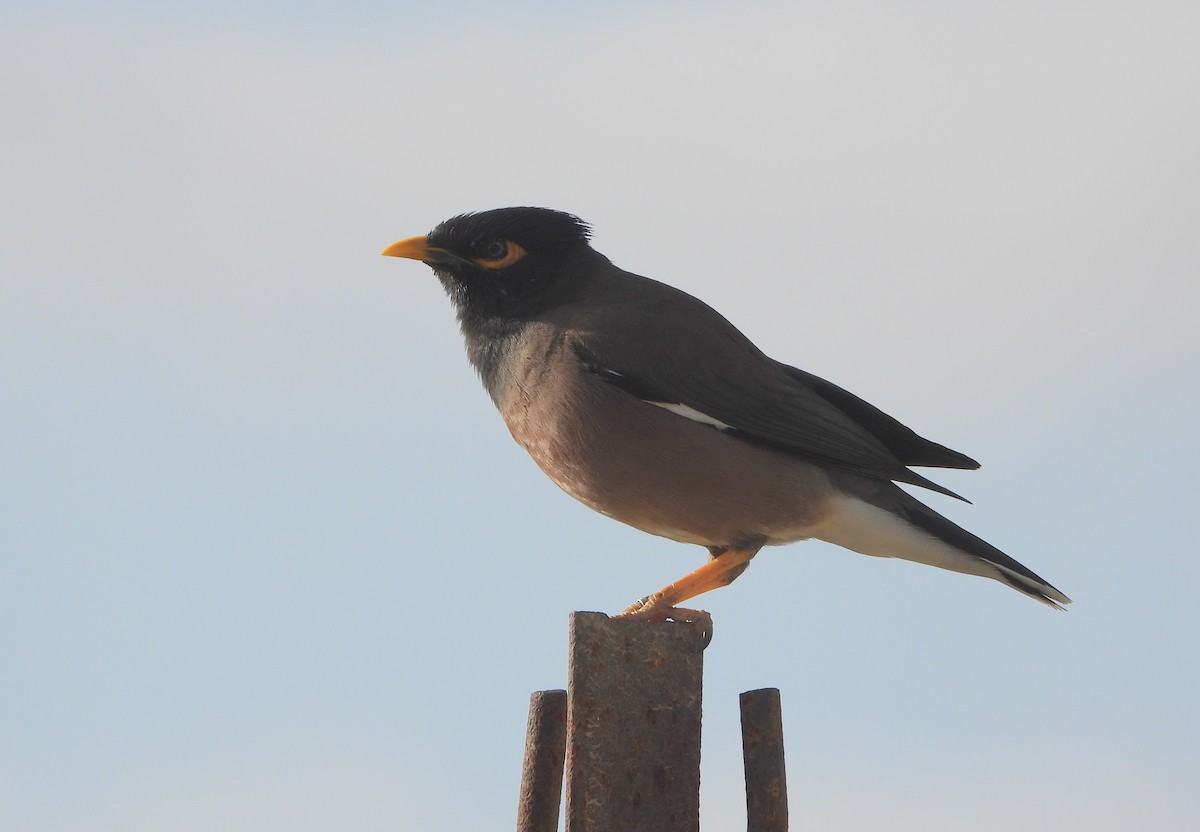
[(666, 474)]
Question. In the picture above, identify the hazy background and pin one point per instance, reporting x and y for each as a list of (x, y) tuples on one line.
[(268, 557)]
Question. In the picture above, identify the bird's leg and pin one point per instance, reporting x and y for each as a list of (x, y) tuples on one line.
[(721, 569)]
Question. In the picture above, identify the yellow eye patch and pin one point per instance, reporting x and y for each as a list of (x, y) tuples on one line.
[(512, 253)]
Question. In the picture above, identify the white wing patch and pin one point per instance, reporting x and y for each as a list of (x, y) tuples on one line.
[(693, 414)]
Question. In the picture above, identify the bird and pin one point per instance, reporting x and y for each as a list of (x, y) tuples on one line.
[(647, 405)]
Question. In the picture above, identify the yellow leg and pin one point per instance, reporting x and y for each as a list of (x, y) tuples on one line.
[(719, 571)]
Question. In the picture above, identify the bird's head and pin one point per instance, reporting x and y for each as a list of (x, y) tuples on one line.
[(506, 262)]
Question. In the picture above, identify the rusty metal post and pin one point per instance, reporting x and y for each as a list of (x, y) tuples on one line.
[(542, 769), (762, 749), (633, 725)]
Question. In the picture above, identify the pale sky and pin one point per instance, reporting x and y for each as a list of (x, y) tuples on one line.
[(269, 559)]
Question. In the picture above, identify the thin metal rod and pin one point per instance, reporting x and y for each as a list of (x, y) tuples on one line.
[(542, 769), (762, 750)]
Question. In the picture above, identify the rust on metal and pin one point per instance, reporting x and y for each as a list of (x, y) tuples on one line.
[(633, 725), (762, 749), (542, 769)]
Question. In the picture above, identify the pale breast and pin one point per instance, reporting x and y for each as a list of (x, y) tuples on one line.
[(647, 466)]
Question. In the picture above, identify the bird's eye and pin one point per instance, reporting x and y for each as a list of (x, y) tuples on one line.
[(496, 253), (493, 249)]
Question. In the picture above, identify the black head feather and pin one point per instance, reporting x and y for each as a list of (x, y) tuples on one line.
[(534, 229), (501, 267)]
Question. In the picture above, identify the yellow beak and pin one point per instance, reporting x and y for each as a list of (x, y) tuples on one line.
[(414, 248)]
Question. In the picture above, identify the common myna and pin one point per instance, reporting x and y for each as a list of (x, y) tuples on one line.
[(645, 404)]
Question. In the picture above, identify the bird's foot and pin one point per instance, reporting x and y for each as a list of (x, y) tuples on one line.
[(651, 608)]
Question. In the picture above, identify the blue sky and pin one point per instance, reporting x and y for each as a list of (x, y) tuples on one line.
[(268, 557)]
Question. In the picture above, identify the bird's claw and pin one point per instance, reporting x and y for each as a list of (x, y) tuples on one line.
[(647, 609)]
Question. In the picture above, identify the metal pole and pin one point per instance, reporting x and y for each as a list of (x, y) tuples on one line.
[(542, 770), (762, 749), (633, 725)]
